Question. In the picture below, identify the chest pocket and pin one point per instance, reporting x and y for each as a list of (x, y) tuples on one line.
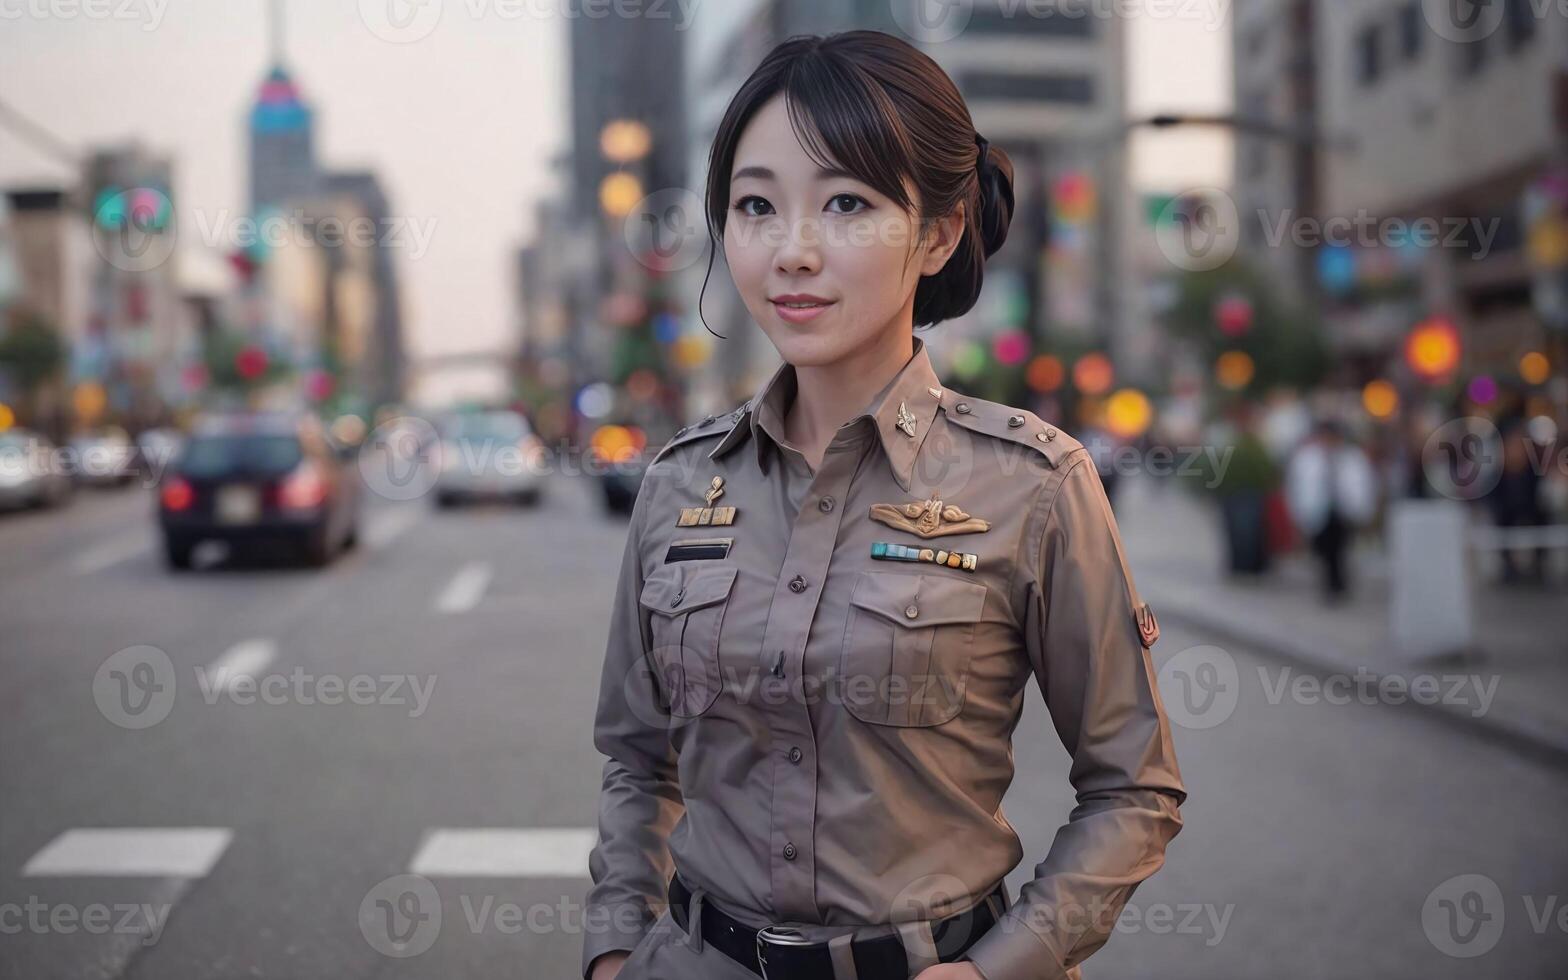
[(906, 647), (687, 605)]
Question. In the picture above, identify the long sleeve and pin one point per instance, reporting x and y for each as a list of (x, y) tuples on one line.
[(1085, 647), (640, 800)]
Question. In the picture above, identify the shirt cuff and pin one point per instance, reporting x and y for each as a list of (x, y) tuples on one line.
[(1010, 950), (608, 929)]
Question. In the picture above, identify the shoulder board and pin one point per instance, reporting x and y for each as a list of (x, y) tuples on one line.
[(1012, 424), (708, 425)]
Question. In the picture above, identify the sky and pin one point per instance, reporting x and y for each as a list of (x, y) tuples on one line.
[(461, 123)]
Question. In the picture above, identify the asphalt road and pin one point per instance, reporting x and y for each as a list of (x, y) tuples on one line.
[(424, 706)]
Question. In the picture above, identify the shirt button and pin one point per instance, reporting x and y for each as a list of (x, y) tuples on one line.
[(789, 852), (794, 754), (797, 584), (1015, 421), (911, 610), (825, 504), (962, 408)]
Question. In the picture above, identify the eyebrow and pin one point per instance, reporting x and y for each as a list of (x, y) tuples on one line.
[(766, 173)]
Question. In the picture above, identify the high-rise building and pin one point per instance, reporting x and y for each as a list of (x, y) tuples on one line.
[(1278, 145), (625, 72), (1453, 124), (382, 367), (282, 132), (137, 338), (331, 299)]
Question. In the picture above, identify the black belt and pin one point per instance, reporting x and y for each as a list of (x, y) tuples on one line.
[(878, 958)]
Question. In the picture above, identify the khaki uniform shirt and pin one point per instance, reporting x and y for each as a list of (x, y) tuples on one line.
[(818, 736)]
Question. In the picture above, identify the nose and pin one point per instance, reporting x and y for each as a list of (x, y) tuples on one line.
[(800, 253)]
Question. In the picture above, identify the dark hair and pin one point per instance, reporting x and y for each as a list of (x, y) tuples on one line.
[(881, 109)]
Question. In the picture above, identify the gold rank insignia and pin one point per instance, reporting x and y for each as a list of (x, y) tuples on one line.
[(930, 519), (1148, 626), (709, 515), (906, 421)]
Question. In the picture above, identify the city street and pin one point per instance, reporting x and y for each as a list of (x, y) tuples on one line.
[(423, 706)]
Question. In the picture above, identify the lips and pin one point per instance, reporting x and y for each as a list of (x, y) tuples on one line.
[(800, 301), (799, 308)]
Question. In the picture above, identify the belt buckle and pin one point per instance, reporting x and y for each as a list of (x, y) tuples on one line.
[(777, 936)]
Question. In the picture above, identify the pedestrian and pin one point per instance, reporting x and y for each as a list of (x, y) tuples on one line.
[(1331, 490), (832, 598), (1515, 502)]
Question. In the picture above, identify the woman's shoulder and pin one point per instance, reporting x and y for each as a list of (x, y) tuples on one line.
[(1009, 423), (709, 426)]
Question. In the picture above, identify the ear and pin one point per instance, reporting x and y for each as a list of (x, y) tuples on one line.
[(942, 240)]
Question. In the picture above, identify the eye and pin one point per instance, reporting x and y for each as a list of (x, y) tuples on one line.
[(743, 205), (852, 200)]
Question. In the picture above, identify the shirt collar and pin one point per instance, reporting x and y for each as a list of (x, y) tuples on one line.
[(915, 391)]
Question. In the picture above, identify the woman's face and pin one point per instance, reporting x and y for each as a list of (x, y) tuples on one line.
[(796, 234)]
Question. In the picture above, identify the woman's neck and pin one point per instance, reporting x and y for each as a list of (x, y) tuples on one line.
[(828, 395)]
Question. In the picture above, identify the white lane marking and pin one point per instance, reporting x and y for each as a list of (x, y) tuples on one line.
[(495, 852), (112, 552), (466, 588), (159, 852), (386, 526), (244, 659)]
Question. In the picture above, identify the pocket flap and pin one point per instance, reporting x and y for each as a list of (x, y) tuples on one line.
[(919, 600), (677, 589)]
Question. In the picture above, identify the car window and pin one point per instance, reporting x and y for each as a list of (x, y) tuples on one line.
[(501, 426), (220, 455)]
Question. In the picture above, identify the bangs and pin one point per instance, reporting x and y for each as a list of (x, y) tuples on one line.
[(843, 118)]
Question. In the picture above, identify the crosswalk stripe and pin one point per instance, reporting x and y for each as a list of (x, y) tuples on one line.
[(504, 852), (466, 588), (244, 659), (161, 852)]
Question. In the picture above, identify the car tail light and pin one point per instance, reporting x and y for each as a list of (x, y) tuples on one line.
[(303, 489), (177, 494)]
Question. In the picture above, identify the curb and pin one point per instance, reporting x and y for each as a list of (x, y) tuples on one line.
[(1545, 745)]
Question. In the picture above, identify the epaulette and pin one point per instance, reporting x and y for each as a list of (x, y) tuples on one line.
[(1013, 424), (708, 425)]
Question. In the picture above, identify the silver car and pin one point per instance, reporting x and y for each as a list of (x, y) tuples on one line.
[(31, 473), (104, 458), (489, 454)]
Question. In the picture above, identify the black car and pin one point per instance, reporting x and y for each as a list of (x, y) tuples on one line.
[(260, 478)]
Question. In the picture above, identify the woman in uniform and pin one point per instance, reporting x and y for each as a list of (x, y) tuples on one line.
[(833, 598)]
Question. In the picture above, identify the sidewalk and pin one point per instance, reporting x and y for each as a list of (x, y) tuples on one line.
[(1175, 547)]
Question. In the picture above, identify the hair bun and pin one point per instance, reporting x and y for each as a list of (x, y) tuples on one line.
[(995, 170)]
